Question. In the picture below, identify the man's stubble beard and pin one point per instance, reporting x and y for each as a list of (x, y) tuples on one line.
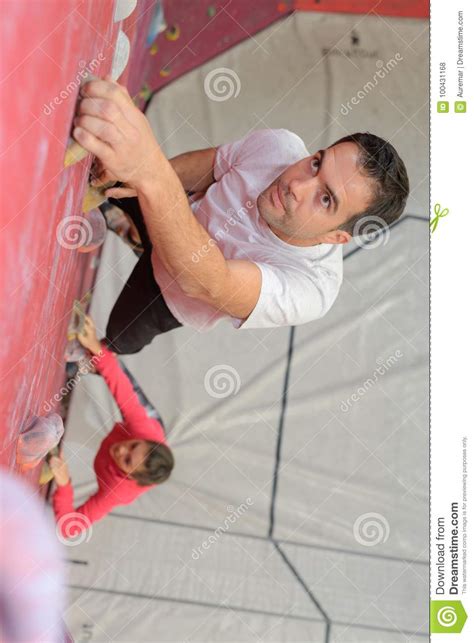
[(278, 221)]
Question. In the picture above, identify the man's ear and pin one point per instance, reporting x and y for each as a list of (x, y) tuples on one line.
[(335, 237)]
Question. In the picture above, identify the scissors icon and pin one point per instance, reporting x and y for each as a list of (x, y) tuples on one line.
[(438, 215)]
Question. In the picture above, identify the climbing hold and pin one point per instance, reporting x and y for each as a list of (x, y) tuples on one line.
[(173, 33), (123, 9), (78, 317), (145, 92), (95, 196), (46, 474), (121, 55), (153, 49), (42, 435), (74, 153), (157, 24), (166, 71), (211, 11)]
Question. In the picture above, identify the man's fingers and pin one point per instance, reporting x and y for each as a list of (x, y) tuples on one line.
[(104, 130), (91, 143), (106, 89), (103, 177), (107, 110), (120, 193)]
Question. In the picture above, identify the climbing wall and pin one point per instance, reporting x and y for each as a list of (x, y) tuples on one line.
[(400, 8), (198, 30), (47, 49)]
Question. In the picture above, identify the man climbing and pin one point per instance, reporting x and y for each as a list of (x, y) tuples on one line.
[(260, 246)]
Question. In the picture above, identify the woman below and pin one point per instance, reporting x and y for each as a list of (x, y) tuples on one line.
[(133, 457)]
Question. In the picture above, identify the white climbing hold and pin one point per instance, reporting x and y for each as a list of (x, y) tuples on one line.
[(121, 55), (123, 8)]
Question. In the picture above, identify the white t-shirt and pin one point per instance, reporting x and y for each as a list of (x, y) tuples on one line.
[(299, 284)]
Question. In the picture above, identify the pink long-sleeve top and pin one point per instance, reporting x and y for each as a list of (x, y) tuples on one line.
[(115, 488)]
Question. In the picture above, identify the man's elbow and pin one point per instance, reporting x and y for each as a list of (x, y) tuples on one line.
[(196, 290), (191, 285)]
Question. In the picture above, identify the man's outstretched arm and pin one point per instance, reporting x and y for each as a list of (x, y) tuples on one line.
[(187, 251), (117, 132)]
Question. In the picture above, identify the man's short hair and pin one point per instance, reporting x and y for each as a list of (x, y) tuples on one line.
[(379, 161)]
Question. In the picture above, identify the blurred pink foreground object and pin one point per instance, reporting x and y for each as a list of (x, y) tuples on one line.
[(39, 438), (31, 570)]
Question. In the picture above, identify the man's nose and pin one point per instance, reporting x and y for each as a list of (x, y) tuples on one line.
[(302, 188)]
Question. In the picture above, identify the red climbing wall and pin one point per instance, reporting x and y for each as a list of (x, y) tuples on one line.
[(402, 8), (206, 29), (45, 45)]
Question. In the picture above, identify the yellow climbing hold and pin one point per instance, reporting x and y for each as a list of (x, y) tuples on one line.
[(165, 72), (173, 33), (95, 196), (153, 49), (74, 153), (46, 474)]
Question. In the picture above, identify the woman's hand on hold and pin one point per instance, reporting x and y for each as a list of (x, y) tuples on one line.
[(88, 337)]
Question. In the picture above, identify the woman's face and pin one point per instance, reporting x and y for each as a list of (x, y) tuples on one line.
[(129, 455)]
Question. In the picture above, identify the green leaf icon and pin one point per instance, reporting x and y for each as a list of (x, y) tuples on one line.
[(447, 617)]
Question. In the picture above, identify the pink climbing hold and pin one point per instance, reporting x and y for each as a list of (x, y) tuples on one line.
[(95, 230), (42, 435)]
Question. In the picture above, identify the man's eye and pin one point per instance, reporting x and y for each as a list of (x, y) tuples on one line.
[(315, 163), (326, 200)]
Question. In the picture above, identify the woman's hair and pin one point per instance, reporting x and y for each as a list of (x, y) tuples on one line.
[(157, 466)]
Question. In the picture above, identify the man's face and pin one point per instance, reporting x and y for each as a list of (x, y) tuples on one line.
[(312, 198)]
